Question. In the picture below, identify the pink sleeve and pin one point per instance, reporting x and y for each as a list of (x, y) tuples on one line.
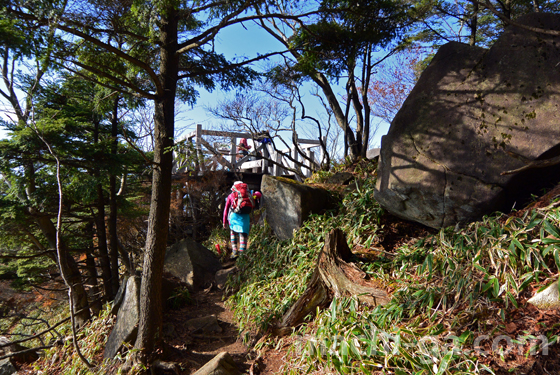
[(226, 209)]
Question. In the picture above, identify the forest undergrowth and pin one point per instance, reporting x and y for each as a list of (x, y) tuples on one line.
[(458, 301), (458, 296)]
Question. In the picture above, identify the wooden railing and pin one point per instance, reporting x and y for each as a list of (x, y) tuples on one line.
[(263, 158)]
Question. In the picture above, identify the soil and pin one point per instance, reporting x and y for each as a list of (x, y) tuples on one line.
[(191, 349), (525, 322)]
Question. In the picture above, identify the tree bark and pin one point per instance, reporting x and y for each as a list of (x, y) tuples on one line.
[(150, 321), (341, 119), (334, 276), (473, 23), (91, 275), (99, 219), (102, 244), (113, 239), (79, 295)]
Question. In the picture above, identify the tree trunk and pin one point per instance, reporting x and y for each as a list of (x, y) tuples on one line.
[(341, 119), (113, 239), (366, 78), (150, 321), (358, 110), (99, 218), (102, 244), (473, 24), (79, 295), (333, 276), (91, 275)]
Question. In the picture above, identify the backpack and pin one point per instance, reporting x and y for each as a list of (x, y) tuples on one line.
[(243, 202)]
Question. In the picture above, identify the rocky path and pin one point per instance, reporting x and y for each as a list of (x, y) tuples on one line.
[(195, 338)]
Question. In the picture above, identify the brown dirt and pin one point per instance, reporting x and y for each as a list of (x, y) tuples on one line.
[(398, 232), (524, 321), (542, 202), (191, 351)]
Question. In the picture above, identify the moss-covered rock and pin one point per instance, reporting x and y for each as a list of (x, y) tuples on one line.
[(289, 203)]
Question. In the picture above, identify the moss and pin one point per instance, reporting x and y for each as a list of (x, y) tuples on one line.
[(288, 180)]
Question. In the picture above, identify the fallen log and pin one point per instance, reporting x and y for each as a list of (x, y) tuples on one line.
[(333, 276)]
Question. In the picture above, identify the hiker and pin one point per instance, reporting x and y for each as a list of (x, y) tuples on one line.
[(243, 148), (239, 205), (257, 199)]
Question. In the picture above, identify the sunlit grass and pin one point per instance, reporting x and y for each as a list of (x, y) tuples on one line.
[(443, 287)]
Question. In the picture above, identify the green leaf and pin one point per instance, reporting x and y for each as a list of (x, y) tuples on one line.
[(480, 268), (518, 244), (496, 287), (548, 241), (333, 309), (557, 258), (445, 362), (533, 223), (526, 283), (344, 351), (512, 299), (551, 229)]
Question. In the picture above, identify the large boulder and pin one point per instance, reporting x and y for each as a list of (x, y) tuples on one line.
[(126, 327), (289, 203), (192, 263), (442, 157)]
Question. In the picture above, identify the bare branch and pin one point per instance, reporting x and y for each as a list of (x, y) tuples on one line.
[(509, 21), (530, 164)]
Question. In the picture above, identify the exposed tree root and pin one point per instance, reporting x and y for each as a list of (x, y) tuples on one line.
[(333, 276)]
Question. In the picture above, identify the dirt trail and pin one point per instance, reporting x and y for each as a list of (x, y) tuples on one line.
[(192, 350)]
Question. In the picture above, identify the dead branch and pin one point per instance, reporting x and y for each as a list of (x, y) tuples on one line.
[(37, 335), (530, 164)]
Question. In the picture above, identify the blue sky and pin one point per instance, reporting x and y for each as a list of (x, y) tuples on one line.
[(249, 40), (238, 41)]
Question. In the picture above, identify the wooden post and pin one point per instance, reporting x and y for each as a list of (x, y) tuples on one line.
[(199, 154), (322, 152), (295, 156), (294, 151), (278, 170), (310, 162), (197, 150), (266, 156), (233, 153)]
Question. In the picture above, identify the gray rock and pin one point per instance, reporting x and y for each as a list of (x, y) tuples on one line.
[(192, 263), (548, 299), (126, 327), (222, 364), (206, 324), (117, 302), (289, 203), (442, 157), (21, 354), (340, 178), (373, 153), (222, 276), (6, 367)]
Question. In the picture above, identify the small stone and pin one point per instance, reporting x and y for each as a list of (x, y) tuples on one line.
[(222, 364), (548, 299), (206, 324), (222, 276)]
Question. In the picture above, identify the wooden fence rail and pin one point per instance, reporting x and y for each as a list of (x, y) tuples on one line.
[(262, 159)]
